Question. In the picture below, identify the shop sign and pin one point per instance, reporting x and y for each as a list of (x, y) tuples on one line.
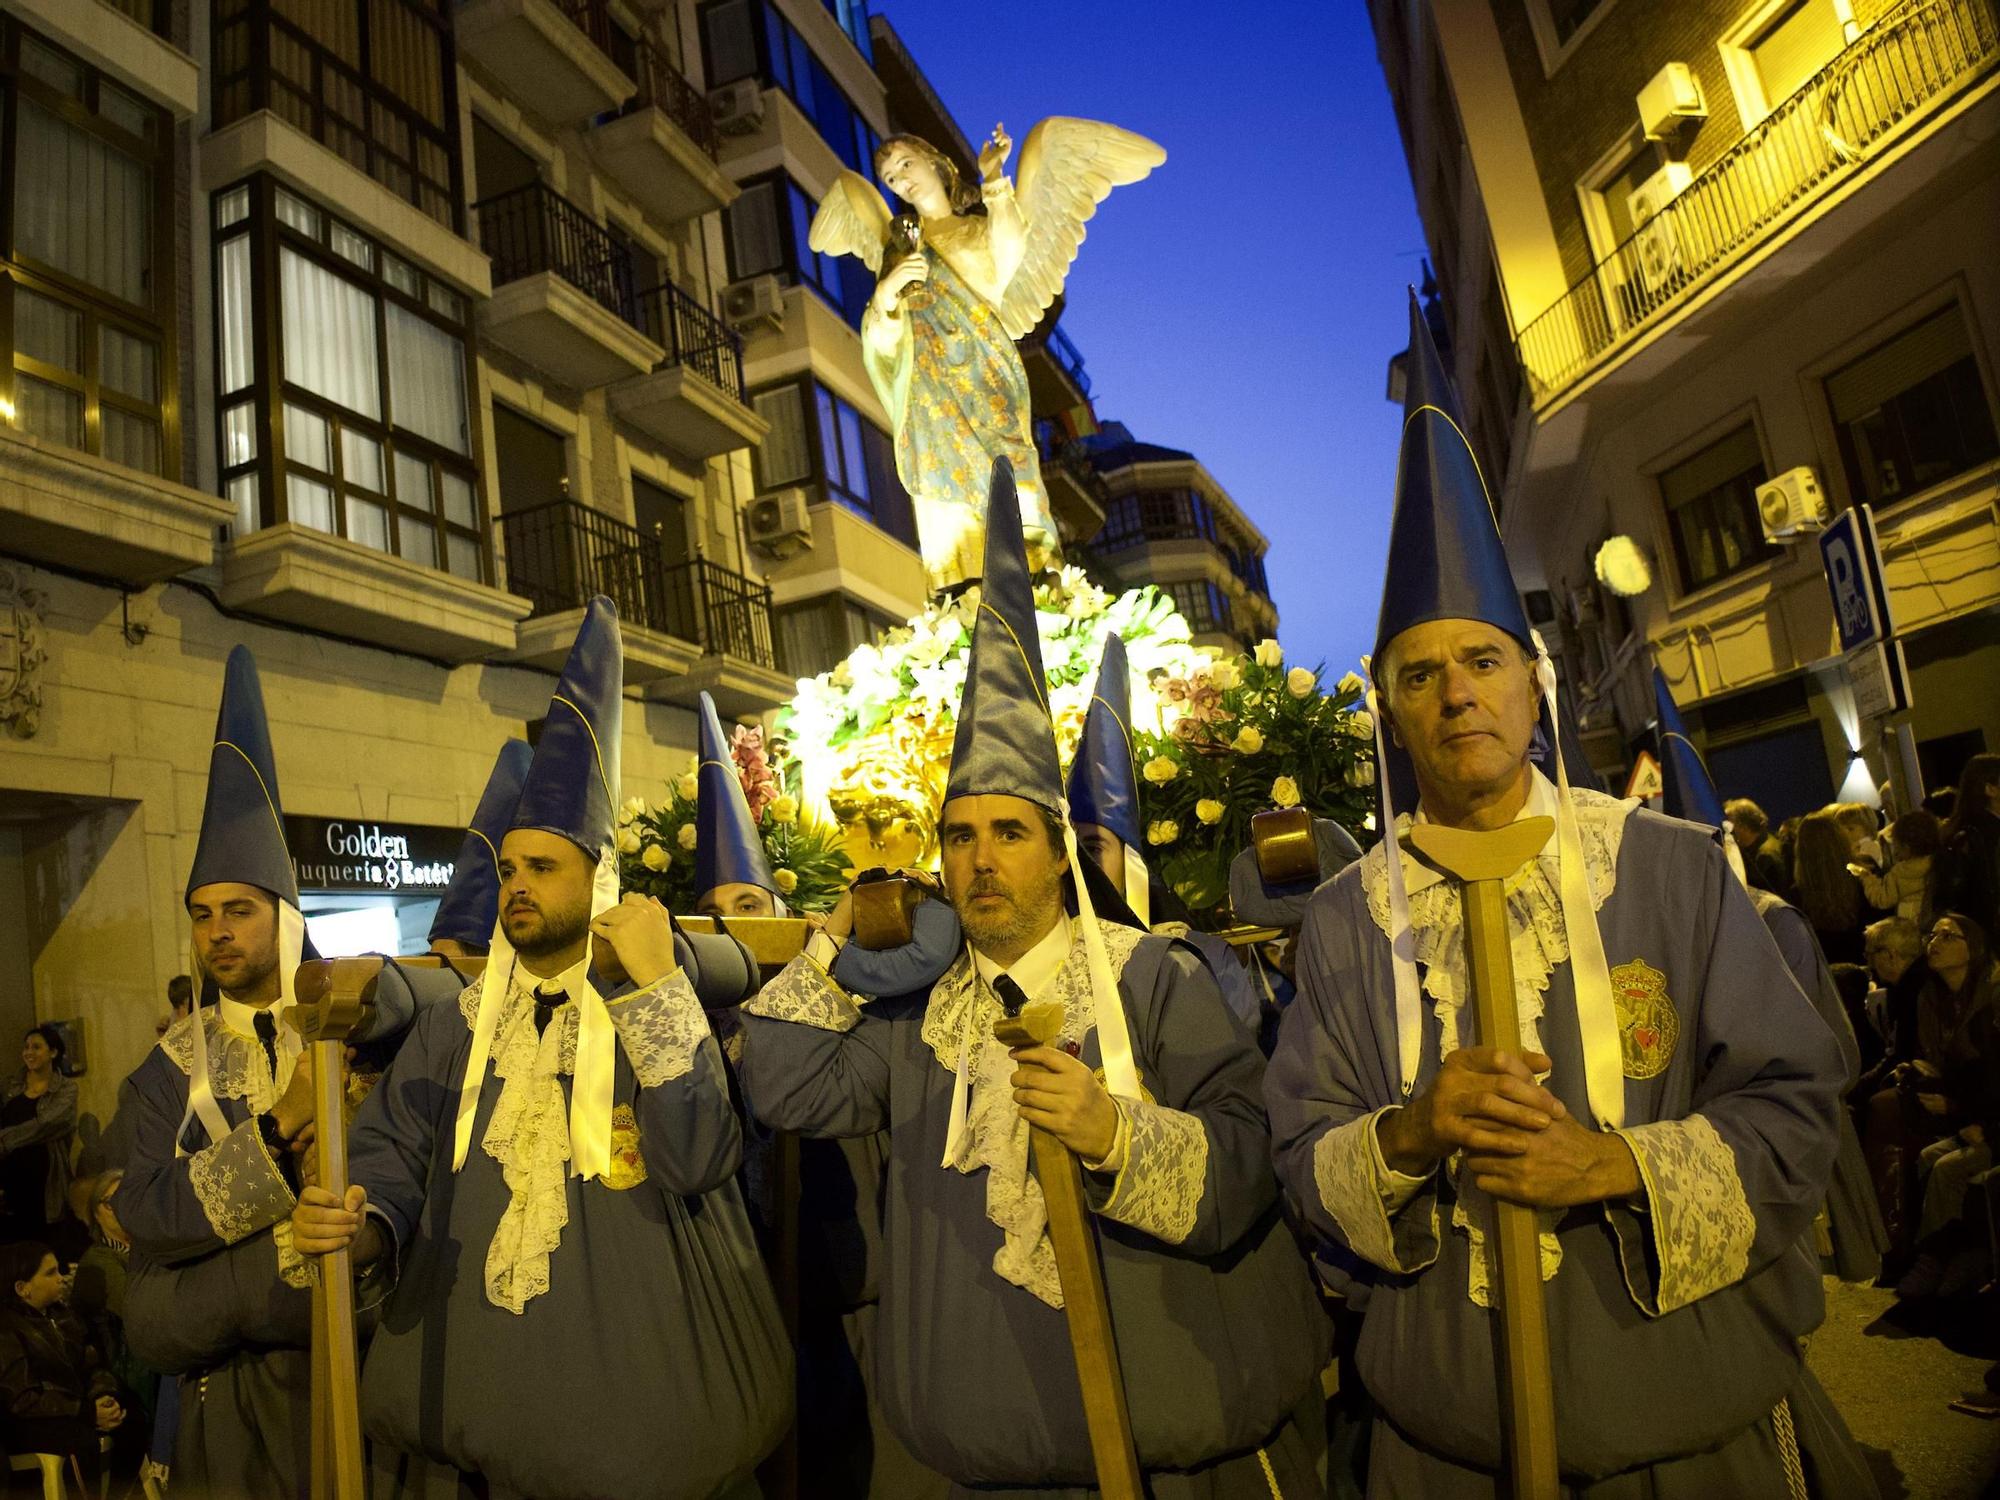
[(384, 859)]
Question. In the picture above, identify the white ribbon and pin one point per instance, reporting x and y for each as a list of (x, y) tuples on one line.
[(1138, 886), (1590, 973), (202, 1103)]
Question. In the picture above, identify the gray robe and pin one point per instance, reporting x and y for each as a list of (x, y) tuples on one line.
[(654, 1365), (1218, 1328), (1675, 1328)]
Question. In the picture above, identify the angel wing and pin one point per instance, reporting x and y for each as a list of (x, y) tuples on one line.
[(1068, 167), (852, 220)]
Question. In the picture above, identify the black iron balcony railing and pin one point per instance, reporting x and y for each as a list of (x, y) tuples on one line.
[(1069, 357), (1914, 59), (562, 554), (662, 87), (692, 336), (399, 124), (151, 14), (535, 228)]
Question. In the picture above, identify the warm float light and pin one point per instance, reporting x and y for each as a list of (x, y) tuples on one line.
[(1623, 567)]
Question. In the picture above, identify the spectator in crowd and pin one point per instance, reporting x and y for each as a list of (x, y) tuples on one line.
[(59, 1398), (1958, 1023), (1894, 949), (1827, 891), (37, 1119), (1939, 804), (1904, 887), (1863, 827), (1764, 863), (1966, 874), (180, 997)]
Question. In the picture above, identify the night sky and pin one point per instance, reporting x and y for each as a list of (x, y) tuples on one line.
[(1243, 302)]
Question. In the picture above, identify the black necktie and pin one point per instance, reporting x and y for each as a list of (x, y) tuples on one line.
[(546, 1004), (1012, 997), (267, 1033)]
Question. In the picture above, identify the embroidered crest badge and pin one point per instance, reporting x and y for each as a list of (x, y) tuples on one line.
[(1648, 1024), (628, 1167)]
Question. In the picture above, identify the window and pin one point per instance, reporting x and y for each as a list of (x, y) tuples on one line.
[(1804, 38), (1711, 500), (92, 355), (1560, 25), (372, 437), (1202, 605), (816, 635), (768, 227), (751, 39), (819, 440), (1912, 412), (1155, 516), (374, 81)]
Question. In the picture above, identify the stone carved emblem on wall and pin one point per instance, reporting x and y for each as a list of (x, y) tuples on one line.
[(22, 654)]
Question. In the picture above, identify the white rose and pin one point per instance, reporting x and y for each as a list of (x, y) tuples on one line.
[(1361, 724), (1301, 681), (1350, 682), (1208, 810), (1361, 773), (1285, 792), (655, 858), (688, 787), (1225, 675), (1165, 831), (1249, 740), (785, 880), (628, 841), (687, 836), (784, 810), (1269, 653), (633, 806), (1160, 770)]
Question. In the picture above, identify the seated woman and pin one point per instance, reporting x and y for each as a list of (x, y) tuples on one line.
[(37, 1117), (55, 1395)]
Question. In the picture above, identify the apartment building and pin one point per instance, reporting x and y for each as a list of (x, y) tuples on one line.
[(378, 335), (1682, 252)]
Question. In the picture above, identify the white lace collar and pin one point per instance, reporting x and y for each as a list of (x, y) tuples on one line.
[(1033, 970), (242, 1019)]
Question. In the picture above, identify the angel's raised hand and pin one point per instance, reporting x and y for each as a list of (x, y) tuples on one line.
[(993, 155)]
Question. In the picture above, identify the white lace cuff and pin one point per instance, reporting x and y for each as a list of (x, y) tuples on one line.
[(1701, 1223), (1161, 1157), (805, 993), (239, 1187), (1387, 1218), (661, 1026)]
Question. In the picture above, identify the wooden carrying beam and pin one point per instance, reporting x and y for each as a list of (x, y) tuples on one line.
[(1481, 863), (773, 941), (1086, 1305)]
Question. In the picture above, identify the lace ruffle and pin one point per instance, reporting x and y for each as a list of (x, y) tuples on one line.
[(1165, 1172), (237, 1067), (661, 1027), (1350, 1184), (239, 1187), (1702, 1223), (960, 1006), (528, 1135), (804, 992), (1538, 942)]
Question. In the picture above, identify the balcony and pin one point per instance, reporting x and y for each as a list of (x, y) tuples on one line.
[(298, 576), (563, 299), (77, 511), (693, 403), (661, 148), (554, 55), (853, 556), (128, 39), (1875, 97), (687, 625), (1078, 494)]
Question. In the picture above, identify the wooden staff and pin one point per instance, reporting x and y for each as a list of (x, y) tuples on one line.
[(1085, 1303), (1481, 862)]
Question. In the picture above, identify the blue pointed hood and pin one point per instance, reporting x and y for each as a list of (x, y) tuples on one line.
[(1689, 793), (471, 903), (1103, 781), (243, 820), (572, 784), (1445, 557), (727, 846), (1005, 742)]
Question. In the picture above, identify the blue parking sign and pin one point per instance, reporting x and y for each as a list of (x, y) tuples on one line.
[(1853, 563)]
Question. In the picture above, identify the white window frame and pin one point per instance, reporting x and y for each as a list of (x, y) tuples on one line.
[(1554, 53), (1666, 569), (1739, 61)]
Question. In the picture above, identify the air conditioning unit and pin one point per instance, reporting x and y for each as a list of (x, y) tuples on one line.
[(1656, 244), (1586, 605), (737, 108), (755, 302), (779, 523), (1791, 504), (1670, 102)]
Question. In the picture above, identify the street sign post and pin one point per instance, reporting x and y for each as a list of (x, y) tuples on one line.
[(1851, 553)]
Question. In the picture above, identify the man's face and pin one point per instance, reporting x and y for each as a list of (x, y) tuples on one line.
[(1002, 874), (545, 888), (1461, 701), (1887, 962), (1746, 840), (1104, 849), (235, 934), (736, 898)]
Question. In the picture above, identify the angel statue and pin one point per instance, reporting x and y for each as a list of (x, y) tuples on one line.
[(970, 270)]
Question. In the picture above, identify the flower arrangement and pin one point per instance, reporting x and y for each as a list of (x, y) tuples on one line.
[(1252, 734), (877, 729), (809, 861)]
